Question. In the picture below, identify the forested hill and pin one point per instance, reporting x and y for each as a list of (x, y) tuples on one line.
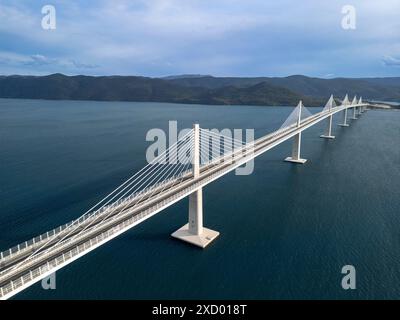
[(385, 89), (196, 89)]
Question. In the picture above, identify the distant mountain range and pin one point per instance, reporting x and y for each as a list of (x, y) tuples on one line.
[(372, 88), (201, 89)]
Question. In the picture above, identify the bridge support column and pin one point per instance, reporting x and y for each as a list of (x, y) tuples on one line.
[(193, 232), (328, 132), (295, 158), (354, 114), (344, 124)]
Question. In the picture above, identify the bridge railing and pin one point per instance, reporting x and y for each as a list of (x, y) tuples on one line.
[(52, 234), (46, 238), (54, 263), (85, 246)]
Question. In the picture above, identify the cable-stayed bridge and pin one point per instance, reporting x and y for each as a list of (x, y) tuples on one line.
[(195, 160)]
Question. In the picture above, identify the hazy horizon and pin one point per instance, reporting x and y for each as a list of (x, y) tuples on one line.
[(189, 76)]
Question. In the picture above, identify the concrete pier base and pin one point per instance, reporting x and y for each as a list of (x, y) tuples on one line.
[(201, 240), (301, 161), (194, 232), (343, 125), (326, 136)]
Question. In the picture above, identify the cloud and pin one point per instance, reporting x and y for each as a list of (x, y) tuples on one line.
[(38, 60), (224, 37), (390, 61)]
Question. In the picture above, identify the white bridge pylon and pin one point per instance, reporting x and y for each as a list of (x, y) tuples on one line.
[(194, 232), (209, 148), (298, 114), (345, 102), (363, 107), (354, 102), (294, 119), (328, 108)]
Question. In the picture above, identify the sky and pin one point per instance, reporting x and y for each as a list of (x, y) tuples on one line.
[(217, 37)]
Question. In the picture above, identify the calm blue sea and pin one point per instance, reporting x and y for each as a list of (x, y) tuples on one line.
[(286, 230)]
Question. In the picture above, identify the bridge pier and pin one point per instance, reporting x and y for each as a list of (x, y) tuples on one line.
[(295, 158), (328, 132), (344, 124), (193, 232), (354, 114)]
